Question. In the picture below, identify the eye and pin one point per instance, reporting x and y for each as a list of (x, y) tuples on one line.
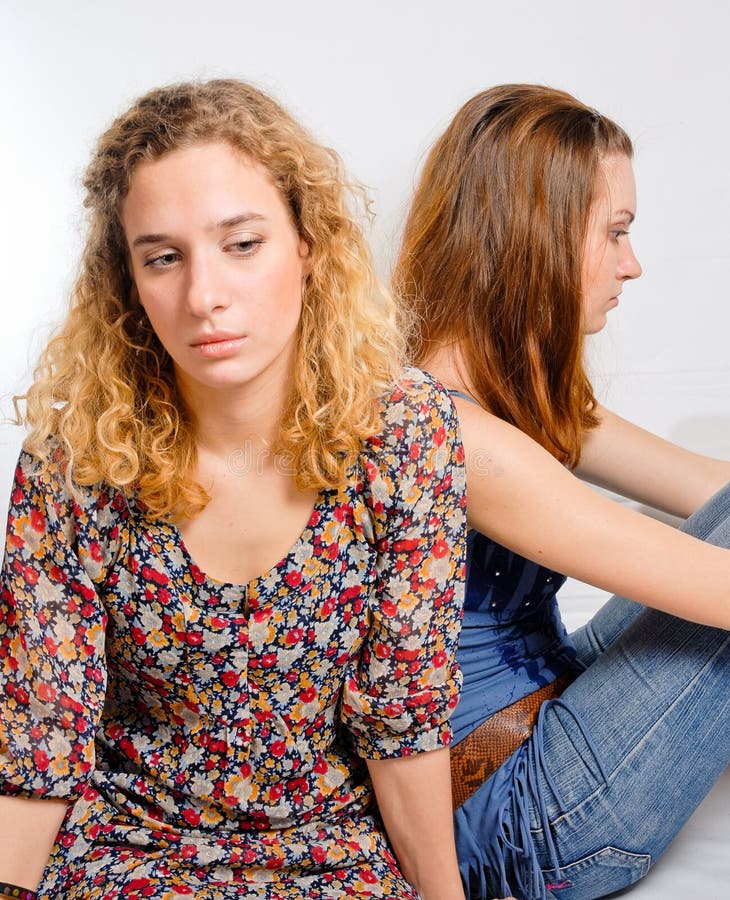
[(163, 260), (244, 247), (615, 234)]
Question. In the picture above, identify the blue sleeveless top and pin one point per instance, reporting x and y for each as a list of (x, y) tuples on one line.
[(513, 640)]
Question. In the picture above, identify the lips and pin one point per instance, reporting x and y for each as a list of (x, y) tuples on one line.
[(217, 337), (219, 344)]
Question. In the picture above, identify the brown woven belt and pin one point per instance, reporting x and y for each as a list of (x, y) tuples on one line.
[(483, 751)]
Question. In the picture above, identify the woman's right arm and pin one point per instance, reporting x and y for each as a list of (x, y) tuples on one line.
[(28, 828), (522, 497), (52, 664), (631, 461)]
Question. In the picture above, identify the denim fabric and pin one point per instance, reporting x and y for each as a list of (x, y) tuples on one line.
[(616, 766)]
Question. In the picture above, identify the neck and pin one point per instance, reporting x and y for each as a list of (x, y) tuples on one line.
[(447, 364), (228, 420)]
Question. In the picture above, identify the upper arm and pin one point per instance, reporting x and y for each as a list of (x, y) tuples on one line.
[(523, 498), (640, 465), (52, 636), (399, 695)]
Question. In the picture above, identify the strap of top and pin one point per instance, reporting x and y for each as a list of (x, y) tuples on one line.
[(463, 396)]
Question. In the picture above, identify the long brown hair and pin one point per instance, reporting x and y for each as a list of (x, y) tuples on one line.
[(491, 254), (105, 388)]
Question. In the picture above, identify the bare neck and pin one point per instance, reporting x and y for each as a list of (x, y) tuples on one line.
[(446, 363), (226, 420)]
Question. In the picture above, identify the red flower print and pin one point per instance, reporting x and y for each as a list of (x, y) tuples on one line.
[(41, 759), (350, 593), (405, 546), (191, 817), (21, 695), (319, 854), (139, 636), (37, 520), (440, 549), (293, 579), (389, 608), (139, 886), (328, 607), (46, 692), (150, 574), (294, 635)]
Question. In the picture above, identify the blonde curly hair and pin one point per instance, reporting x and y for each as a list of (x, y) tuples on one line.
[(105, 387)]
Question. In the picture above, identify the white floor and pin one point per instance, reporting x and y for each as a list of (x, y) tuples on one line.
[(697, 865)]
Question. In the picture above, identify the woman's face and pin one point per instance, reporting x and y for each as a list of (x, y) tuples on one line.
[(608, 259), (218, 266)]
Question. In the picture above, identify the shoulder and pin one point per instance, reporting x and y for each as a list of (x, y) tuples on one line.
[(416, 402), (419, 436), (41, 479)]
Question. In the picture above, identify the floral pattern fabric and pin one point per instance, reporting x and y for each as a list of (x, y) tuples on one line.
[(211, 736)]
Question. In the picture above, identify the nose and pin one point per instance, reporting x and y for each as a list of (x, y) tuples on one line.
[(629, 265), (204, 291)]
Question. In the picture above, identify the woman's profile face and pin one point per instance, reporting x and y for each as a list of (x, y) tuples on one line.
[(218, 266), (608, 258)]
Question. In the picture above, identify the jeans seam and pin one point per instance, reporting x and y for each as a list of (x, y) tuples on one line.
[(626, 757)]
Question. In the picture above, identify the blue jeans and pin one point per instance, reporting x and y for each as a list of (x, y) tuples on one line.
[(620, 762)]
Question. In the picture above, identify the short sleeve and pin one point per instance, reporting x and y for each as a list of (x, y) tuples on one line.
[(52, 631), (399, 696)]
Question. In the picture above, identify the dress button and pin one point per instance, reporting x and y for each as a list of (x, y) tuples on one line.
[(497, 574)]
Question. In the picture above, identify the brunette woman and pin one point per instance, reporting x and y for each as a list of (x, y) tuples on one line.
[(577, 759)]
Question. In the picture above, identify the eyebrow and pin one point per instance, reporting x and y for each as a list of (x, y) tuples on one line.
[(623, 213), (231, 222)]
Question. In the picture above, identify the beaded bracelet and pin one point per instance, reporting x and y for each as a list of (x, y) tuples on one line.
[(12, 890)]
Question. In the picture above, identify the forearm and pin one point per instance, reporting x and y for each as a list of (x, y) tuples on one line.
[(414, 796), (28, 828), (635, 463)]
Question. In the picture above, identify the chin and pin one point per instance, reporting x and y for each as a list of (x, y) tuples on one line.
[(593, 327)]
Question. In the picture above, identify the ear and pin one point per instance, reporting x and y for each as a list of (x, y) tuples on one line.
[(305, 256)]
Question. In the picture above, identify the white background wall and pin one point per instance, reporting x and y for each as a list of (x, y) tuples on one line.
[(379, 80)]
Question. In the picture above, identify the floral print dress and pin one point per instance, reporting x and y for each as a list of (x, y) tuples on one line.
[(211, 736)]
